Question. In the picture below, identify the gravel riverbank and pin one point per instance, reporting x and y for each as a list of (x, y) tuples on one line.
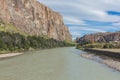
[(112, 63)]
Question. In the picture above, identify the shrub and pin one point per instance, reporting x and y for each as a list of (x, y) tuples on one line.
[(15, 41), (99, 45)]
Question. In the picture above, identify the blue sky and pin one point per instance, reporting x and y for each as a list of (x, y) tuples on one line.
[(88, 16)]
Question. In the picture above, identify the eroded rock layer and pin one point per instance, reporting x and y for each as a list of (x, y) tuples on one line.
[(32, 17), (100, 37)]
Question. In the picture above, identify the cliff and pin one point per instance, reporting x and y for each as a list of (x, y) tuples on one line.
[(100, 37), (33, 18)]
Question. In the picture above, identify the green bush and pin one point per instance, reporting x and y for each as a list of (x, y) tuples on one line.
[(15, 41), (99, 45)]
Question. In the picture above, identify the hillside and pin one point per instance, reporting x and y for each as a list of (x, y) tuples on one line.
[(33, 18), (100, 37)]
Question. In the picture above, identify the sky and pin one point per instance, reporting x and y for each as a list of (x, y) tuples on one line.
[(87, 16)]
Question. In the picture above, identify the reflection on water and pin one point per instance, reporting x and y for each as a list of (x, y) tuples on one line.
[(54, 64)]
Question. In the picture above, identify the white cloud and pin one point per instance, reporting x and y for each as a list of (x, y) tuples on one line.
[(73, 28), (116, 24), (76, 33), (71, 20), (86, 10), (77, 11)]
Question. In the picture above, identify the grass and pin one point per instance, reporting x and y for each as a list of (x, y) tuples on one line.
[(111, 45), (5, 27)]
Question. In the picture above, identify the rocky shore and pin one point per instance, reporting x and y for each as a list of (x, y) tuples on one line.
[(112, 53), (110, 62)]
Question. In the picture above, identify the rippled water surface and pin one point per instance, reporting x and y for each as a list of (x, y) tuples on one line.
[(54, 64)]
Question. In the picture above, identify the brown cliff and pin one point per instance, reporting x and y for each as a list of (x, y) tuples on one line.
[(100, 37), (34, 18)]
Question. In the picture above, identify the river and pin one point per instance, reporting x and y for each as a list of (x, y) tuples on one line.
[(54, 64)]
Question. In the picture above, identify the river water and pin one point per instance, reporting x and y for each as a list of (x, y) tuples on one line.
[(54, 64)]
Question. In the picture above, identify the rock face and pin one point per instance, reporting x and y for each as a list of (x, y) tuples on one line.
[(100, 37), (34, 18)]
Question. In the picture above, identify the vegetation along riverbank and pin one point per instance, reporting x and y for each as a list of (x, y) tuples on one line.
[(10, 42)]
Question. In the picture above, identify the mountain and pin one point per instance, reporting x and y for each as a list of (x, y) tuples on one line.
[(34, 18), (100, 37)]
